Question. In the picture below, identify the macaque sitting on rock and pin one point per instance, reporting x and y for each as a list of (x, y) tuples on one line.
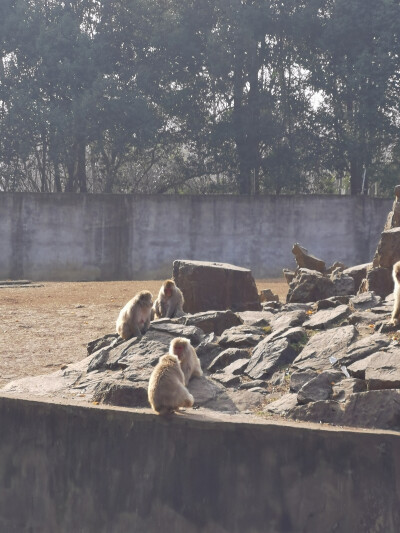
[(187, 356), (134, 317), (169, 303), (396, 293), (167, 391)]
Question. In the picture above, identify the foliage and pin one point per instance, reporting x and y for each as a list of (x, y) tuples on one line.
[(199, 96)]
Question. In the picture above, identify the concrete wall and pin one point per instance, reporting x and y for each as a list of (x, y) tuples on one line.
[(77, 469), (111, 237)]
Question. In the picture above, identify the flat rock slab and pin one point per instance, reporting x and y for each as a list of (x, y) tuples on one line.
[(327, 317), (364, 301), (365, 347), (214, 321), (319, 387), (179, 330), (270, 356), (227, 357), (383, 370), (215, 286), (256, 318), (241, 336), (333, 342), (283, 405)]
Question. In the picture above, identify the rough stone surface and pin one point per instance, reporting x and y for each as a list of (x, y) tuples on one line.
[(333, 342), (388, 251), (283, 405), (358, 273), (319, 387), (227, 357), (208, 286), (305, 260), (268, 357), (327, 318), (343, 390), (300, 378), (364, 347), (379, 280), (365, 300), (309, 286), (343, 284), (373, 409), (241, 336), (266, 295), (383, 370), (214, 321)]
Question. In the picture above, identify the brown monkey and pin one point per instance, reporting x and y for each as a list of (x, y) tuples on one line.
[(396, 293), (187, 356), (134, 317), (169, 302), (167, 391)]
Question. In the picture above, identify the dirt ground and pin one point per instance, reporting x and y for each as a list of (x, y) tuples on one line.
[(43, 327)]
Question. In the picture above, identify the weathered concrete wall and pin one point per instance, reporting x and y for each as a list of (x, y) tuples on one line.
[(77, 469), (110, 237)]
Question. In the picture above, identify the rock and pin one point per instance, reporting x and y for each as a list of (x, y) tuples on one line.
[(358, 368), (227, 357), (208, 349), (214, 321), (333, 301), (383, 370), (268, 357), (288, 320), (333, 342), (259, 383), (337, 265), (241, 336), (306, 260), (288, 275), (309, 286), (204, 390), (319, 388), (102, 342), (227, 379), (343, 390), (296, 307), (271, 306), (343, 284), (300, 378), (256, 318), (215, 286), (178, 330), (364, 317), (122, 393), (379, 280), (327, 318), (283, 405), (388, 251), (364, 301), (237, 367), (266, 295), (293, 335), (358, 273), (364, 347), (393, 219), (327, 411), (378, 409)]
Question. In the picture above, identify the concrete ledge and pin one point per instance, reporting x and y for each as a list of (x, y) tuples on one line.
[(71, 468)]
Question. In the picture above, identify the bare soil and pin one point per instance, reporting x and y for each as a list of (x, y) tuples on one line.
[(43, 327)]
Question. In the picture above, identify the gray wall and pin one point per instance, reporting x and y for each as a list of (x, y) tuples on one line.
[(111, 237), (70, 469)]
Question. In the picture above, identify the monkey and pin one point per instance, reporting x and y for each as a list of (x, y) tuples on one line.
[(134, 317), (396, 293), (169, 303), (187, 356), (167, 391)]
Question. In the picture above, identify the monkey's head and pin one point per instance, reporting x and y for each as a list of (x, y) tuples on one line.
[(145, 299), (178, 347), (168, 287), (396, 271)]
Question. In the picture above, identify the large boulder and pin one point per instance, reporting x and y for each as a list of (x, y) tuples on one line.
[(309, 286), (378, 280), (210, 286), (388, 251), (358, 273), (393, 219)]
